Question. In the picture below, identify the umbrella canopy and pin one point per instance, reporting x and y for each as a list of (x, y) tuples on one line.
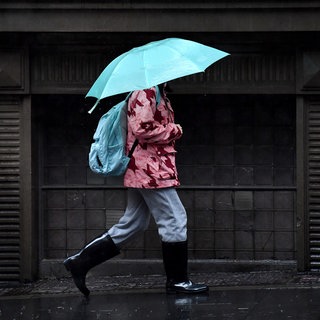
[(152, 64)]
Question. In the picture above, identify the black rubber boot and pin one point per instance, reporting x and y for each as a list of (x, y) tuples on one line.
[(96, 252), (175, 259)]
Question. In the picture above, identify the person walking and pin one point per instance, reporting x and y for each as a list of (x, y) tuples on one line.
[(151, 179)]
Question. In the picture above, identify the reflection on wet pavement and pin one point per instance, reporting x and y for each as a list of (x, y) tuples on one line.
[(244, 304)]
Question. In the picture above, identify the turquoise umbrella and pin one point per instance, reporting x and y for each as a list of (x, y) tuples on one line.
[(152, 64)]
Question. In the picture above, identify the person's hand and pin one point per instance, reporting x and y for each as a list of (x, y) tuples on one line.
[(180, 128)]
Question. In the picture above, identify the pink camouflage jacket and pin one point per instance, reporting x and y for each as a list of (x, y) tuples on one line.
[(153, 161)]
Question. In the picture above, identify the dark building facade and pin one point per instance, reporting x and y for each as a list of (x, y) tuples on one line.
[(248, 160)]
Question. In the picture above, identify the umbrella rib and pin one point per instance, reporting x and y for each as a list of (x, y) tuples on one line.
[(145, 69)]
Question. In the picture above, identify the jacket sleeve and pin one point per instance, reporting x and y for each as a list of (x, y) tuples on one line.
[(143, 121)]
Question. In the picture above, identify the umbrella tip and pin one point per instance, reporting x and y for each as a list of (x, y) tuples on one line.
[(95, 105)]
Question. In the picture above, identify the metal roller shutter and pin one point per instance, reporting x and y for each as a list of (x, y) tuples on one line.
[(10, 124), (313, 197)]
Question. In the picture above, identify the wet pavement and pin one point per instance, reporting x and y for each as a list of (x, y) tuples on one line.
[(238, 296), (244, 304)]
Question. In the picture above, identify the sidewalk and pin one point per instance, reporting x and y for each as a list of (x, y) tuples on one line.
[(218, 280)]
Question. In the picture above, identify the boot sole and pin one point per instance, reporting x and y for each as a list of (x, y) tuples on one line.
[(179, 291), (83, 289)]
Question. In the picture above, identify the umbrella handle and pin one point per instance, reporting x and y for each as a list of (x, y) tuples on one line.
[(91, 110)]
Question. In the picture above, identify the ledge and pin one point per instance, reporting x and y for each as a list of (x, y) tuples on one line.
[(55, 268), (156, 4), (159, 16)]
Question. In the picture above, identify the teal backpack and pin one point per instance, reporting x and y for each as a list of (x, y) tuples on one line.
[(107, 154)]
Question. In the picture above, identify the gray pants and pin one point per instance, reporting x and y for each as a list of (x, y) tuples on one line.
[(165, 207)]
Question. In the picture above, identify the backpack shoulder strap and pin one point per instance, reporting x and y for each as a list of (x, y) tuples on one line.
[(128, 96)]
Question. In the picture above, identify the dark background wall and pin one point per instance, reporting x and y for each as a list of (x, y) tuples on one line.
[(246, 172)]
